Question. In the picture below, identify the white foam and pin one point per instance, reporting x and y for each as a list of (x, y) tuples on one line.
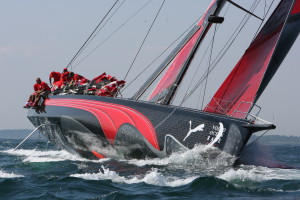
[(9, 175), (34, 155), (200, 157), (259, 174), (81, 165), (153, 178)]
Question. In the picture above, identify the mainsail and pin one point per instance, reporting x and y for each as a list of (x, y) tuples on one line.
[(253, 72), (179, 60)]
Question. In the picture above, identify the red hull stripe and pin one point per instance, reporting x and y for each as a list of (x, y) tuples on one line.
[(111, 117)]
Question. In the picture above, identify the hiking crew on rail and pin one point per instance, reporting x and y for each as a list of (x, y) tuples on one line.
[(68, 83)]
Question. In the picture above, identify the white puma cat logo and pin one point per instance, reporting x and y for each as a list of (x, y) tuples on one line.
[(198, 128)]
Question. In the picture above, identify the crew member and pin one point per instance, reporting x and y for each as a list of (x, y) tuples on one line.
[(64, 78), (110, 89), (101, 78), (42, 90), (55, 76), (77, 79), (111, 78)]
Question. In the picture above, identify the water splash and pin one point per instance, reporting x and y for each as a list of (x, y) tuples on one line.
[(259, 174), (153, 177), (199, 158), (178, 169), (47, 156)]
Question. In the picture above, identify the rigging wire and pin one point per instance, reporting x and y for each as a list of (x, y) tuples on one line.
[(256, 139), (81, 48), (134, 79), (144, 39), (218, 25), (217, 60), (209, 64), (223, 50), (265, 7), (94, 36), (199, 97), (108, 19), (265, 15), (115, 31), (188, 88), (235, 72)]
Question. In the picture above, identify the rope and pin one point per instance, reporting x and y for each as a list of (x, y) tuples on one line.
[(199, 97), (165, 119), (114, 32), (145, 39), (186, 93), (81, 48), (209, 64), (265, 15), (223, 51), (161, 54), (29, 135), (98, 32), (256, 139)]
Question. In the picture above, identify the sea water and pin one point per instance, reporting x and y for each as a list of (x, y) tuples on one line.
[(38, 170)]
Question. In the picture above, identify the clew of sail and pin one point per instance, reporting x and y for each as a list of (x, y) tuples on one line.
[(179, 60), (255, 69)]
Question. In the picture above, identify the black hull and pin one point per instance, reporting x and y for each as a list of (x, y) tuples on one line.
[(97, 127)]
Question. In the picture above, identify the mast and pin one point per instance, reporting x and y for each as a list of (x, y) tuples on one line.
[(180, 59), (173, 89)]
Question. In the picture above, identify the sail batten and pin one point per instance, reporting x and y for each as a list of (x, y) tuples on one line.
[(253, 72)]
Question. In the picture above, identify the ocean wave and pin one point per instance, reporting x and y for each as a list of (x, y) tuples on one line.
[(153, 177), (200, 158), (9, 175), (259, 174)]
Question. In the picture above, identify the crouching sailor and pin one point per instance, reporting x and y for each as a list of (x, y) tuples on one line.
[(57, 84), (111, 89), (42, 90)]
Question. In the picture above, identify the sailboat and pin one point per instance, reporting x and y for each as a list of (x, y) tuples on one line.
[(96, 127)]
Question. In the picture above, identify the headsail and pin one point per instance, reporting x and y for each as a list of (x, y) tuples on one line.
[(180, 59), (253, 72)]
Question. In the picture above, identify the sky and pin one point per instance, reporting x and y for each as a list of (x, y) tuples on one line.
[(38, 37)]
